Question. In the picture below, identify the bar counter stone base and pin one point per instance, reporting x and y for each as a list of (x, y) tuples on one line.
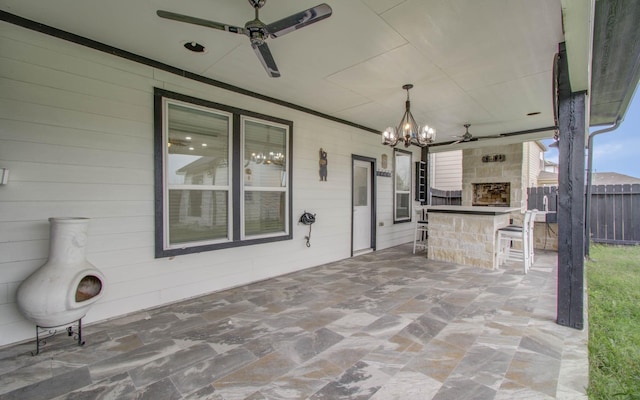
[(468, 239)]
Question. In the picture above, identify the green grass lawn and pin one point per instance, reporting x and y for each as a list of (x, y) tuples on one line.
[(613, 279)]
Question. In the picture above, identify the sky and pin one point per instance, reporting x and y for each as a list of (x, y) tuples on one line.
[(618, 150)]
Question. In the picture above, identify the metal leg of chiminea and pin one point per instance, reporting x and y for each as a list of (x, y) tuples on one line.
[(41, 341)]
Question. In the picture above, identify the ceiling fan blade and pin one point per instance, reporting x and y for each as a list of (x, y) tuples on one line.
[(299, 20), (198, 21), (264, 54)]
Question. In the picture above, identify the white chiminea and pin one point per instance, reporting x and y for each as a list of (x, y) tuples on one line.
[(67, 285)]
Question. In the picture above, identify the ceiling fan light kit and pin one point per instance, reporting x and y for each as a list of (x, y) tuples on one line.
[(408, 131), (258, 31)]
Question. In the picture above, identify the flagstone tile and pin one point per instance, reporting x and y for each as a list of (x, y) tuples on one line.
[(252, 377), (535, 371), (437, 360), (162, 367), (127, 361), (204, 373), (484, 365), (464, 389), (51, 387), (118, 387), (360, 381), (408, 385)]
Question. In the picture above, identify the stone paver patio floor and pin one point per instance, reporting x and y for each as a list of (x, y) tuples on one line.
[(384, 325)]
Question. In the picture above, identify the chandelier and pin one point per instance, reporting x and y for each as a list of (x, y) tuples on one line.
[(408, 131)]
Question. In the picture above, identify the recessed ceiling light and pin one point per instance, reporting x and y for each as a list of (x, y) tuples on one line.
[(190, 148), (204, 145), (533, 113), (187, 138), (194, 46)]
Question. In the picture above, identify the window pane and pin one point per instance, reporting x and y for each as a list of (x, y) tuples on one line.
[(198, 147), (402, 185), (402, 205), (197, 215), (403, 171), (265, 147), (264, 212), (360, 186)]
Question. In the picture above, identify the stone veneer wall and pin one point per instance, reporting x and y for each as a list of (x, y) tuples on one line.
[(510, 170), (545, 236), (468, 239)]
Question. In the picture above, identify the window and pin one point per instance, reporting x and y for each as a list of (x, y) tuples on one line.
[(265, 178), (222, 176), (402, 186)]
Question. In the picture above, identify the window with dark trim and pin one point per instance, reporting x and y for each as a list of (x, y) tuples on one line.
[(401, 185), (222, 176)]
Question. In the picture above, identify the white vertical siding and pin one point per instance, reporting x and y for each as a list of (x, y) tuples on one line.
[(76, 132)]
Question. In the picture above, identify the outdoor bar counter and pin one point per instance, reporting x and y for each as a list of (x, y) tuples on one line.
[(466, 234)]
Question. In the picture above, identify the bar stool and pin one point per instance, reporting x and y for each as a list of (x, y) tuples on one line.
[(523, 235), (421, 230)]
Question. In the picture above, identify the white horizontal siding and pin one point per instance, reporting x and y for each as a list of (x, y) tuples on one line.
[(446, 170), (76, 132)]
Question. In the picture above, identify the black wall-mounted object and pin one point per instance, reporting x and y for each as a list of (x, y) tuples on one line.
[(421, 182)]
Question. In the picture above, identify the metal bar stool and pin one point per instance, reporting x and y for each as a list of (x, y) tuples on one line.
[(522, 235), (421, 232)]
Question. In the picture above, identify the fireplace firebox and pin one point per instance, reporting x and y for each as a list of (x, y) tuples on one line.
[(495, 194)]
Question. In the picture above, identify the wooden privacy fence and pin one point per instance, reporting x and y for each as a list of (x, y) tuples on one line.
[(615, 214), (446, 197), (615, 211)]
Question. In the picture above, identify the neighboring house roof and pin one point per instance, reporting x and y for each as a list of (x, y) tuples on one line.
[(613, 178), (547, 178), (541, 145), (599, 178), (199, 165)]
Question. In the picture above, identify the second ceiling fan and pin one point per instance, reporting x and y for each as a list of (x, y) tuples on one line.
[(468, 137), (258, 31)]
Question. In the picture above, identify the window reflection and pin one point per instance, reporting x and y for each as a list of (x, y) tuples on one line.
[(402, 185), (265, 172), (197, 175)]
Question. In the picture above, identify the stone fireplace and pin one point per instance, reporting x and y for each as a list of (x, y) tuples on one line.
[(493, 181)]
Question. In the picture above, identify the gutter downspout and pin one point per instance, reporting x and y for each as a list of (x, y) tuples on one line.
[(587, 218)]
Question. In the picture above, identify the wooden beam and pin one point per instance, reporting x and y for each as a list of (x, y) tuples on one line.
[(571, 205)]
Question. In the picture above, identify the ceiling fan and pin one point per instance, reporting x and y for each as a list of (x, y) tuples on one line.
[(258, 31), (468, 137)]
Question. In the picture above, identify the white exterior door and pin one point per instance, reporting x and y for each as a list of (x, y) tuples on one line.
[(362, 206)]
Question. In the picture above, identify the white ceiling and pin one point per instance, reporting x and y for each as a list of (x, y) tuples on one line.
[(483, 62)]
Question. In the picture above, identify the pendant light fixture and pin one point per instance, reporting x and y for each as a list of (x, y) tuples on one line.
[(408, 131)]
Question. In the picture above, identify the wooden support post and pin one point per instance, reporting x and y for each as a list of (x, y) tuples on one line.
[(571, 200)]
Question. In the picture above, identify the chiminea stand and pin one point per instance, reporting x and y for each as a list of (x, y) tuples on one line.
[(45, 332)]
